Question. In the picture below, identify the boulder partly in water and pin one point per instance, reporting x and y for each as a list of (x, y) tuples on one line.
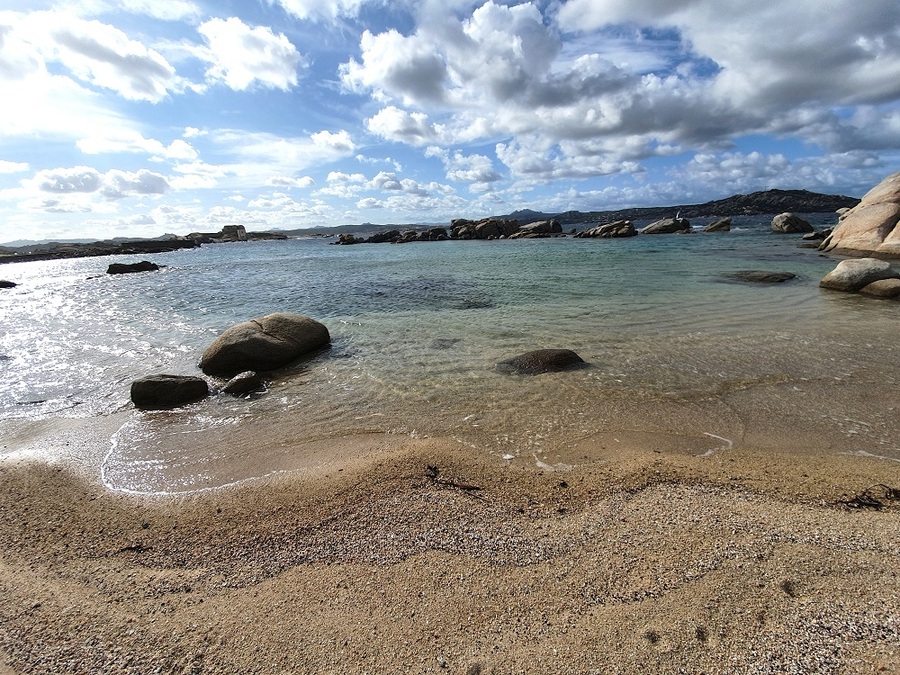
[(854, 274), (156, 392), (264, 343), (790, 223), (131, 268)]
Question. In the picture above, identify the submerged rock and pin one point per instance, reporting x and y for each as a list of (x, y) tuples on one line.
[(542, 361), (167, 391), (7, 284), (131, 268), (854, 274), (760, 276), (264, 343)]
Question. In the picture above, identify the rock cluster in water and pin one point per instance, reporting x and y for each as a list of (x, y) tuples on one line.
[(488, 228), (131, 268), (262, 344)]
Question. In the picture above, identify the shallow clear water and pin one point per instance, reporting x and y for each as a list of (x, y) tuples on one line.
[(417, 330)]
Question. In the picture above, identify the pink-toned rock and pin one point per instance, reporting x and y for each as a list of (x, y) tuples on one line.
[(871, 226)]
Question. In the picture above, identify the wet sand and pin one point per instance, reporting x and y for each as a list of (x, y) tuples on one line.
[(637, 561)]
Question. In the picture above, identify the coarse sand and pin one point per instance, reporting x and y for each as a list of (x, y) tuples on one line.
[(420, 556)]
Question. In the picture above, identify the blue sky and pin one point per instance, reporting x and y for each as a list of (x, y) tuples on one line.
[(142, 117)]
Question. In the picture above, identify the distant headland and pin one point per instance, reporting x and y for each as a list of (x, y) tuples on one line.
[(756, 203)]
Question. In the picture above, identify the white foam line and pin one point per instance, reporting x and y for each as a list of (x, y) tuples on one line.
[(713, 451)]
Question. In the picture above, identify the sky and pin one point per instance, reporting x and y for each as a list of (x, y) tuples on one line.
[(144, 117)]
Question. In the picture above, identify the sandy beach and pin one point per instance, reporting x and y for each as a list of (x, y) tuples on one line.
[(639, 561)]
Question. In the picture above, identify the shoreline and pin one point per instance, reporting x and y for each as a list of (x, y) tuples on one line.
[(744, 560)]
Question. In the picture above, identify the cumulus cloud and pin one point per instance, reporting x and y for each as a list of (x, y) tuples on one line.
[(242, 56), (477, 170), (690, 75), (104, 56), (114, 184), (394, 124)]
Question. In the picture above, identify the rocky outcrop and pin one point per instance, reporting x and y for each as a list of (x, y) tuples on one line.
[(668, 226), (721, 225), (167, 391), (760, 276), (538, 230), (790, 223), (264, 343), (132, 268), (486, 228), (542, 361), (620, 228), (853, 275), (872, 225)]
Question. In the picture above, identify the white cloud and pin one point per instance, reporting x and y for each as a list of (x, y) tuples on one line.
[(170, 10), (290, 182), (242, 56), (113, 184), (13, 167), (320, 9), (129, 141), (477, 170), (394, 124)]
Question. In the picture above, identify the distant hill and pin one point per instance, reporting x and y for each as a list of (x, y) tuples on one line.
[(756, 203)]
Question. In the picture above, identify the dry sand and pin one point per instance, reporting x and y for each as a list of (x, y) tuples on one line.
[(639, 562)]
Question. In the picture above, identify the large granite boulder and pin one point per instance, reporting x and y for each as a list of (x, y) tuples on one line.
[(853, 275), (790, 223), (542, 361), (887, 289), (264, 343), (668, 226), (156, 392), (620, 228), (872, 225), (131, 268)]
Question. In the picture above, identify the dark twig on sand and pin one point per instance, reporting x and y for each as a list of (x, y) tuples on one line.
[(432, 473), (867, 500)]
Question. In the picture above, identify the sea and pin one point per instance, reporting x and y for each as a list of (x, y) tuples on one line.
[(680, 358)]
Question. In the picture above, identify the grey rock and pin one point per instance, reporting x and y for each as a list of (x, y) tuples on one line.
[(542, 361), (668, 226), (721, 225), (883, 288), (264, 343), (243, 383), (167, 391), (620, 228), (854, 274), (790, 223)]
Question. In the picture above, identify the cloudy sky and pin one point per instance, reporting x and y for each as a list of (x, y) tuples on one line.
[(141, 117)]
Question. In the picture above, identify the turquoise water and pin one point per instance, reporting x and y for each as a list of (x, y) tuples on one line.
[(417, 330)]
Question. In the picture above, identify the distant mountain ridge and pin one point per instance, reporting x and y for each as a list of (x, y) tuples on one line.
[(756, 203)]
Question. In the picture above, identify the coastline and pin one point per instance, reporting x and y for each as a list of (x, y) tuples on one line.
[(741, 561)]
